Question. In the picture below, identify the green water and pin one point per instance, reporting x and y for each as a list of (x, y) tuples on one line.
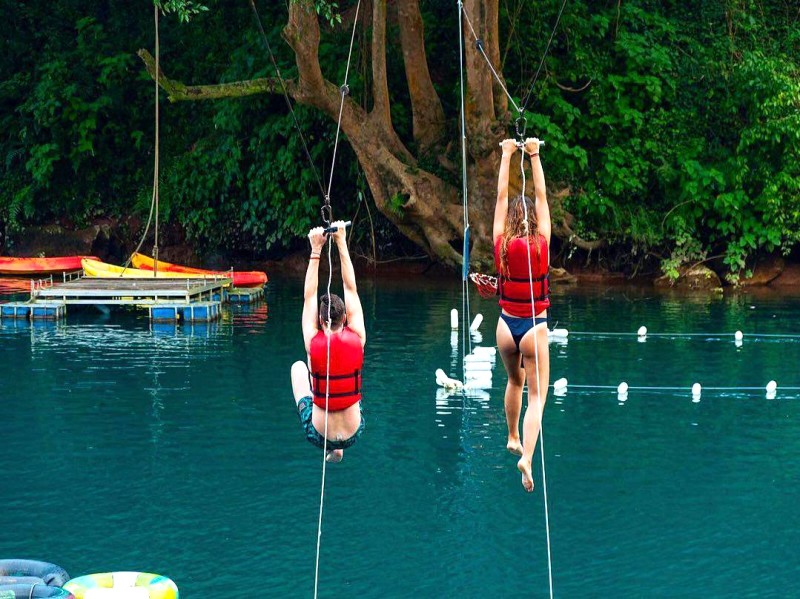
[(178, 451)]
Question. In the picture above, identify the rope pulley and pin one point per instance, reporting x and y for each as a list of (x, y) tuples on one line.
[(344, 89)]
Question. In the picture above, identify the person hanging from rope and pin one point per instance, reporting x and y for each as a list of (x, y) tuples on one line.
[(343, 372), (522, 326)]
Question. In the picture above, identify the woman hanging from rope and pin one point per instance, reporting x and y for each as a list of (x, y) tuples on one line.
[(337, 379), (521, 255)]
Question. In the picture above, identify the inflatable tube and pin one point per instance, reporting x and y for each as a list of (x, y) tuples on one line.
[(158, 587), (47, 573), (32, 591)]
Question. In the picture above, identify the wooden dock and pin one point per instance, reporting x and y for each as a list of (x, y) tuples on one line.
[(190, 299), (131, 292)]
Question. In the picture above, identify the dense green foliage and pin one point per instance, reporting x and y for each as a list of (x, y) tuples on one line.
[(676, 127)]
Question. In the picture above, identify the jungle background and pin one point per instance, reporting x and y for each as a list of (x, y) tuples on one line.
[(672, 128)]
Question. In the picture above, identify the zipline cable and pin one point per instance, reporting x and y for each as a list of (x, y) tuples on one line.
[(479, 45), (327, 218), (541, 62), (539, 405), (286, 97), (465, 307)]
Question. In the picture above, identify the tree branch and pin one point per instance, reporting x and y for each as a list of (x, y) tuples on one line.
[(492, 16), (562, 223), (426, 107), (380, 83), (177, 91)]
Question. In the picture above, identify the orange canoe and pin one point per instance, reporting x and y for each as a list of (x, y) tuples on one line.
[(252, 278), (40, 266)]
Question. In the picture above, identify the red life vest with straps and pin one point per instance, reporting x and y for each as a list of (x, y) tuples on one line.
[(514, 285), (347, 359)]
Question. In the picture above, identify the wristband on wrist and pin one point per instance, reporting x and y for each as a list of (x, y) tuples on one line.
[(534, 154)]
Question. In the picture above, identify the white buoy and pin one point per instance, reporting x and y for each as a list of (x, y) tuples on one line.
[(772, 387), (560, 384), (478, 375), (622, 397), (697, 389), (488, 351), (454, 319), (738, 343), (476, 322), (474, 384), (558, 333), (642, 332), (738, 336), (474, 358), (771, 395), (622, 387)]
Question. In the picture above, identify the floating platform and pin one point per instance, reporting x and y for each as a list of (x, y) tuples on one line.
[(195, 312), (188, 299), (52, 310), (132, 292)]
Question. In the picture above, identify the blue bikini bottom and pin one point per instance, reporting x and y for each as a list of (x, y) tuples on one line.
[(520, 326)]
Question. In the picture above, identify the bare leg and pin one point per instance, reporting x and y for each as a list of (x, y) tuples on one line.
[(301, 388), (300, 385), (538, 376), (513, 397)]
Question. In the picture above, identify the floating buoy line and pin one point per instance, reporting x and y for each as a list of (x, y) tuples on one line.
[(479, 364)]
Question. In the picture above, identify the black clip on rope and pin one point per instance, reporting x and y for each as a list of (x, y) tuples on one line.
[(479, 44), (520, 125), (327, 213), (344, 89)]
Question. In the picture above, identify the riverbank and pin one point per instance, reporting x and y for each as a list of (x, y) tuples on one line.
[(113, 240)]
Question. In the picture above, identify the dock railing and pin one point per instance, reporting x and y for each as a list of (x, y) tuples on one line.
[(72, 276), (38, 284)]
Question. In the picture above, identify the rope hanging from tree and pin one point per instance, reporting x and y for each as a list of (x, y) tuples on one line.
[(327, 217), (487, 286)]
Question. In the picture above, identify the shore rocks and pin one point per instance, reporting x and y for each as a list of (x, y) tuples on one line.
[(697, 277)]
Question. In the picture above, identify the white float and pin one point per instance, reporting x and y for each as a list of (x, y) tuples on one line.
[(642, 332), (622, 388), (445, 381), (697, 389), (738, 336), (489, 351), (476, 322), (558, 333), (772, 387), (454, 319)]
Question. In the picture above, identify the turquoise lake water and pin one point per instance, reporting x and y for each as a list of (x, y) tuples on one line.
[(178, 451)]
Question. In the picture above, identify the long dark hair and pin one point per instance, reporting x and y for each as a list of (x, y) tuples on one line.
[(516, 227)]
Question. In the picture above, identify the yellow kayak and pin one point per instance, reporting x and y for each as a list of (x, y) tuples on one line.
[(95, 268)]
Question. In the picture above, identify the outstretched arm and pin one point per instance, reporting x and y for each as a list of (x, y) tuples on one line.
[(355, 313), (310, 309), (542, 208), (501, 208)]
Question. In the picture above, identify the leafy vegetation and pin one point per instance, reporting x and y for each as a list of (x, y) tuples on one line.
[(675, 127)]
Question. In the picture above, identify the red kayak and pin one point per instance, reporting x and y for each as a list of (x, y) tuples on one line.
[(253, 278), (40, 266)]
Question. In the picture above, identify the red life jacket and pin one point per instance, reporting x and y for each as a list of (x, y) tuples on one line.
[(514, 285), (347, 359)]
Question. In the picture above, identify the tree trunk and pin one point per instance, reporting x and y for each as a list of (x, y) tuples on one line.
[(424, 207)]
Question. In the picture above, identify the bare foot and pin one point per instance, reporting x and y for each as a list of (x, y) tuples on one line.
[(527, 478), (335, 456), (514, 446)]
